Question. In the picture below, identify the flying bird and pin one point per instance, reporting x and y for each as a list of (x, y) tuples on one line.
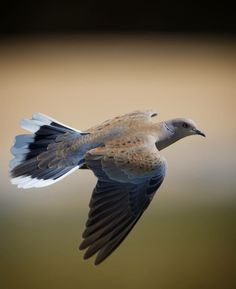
[(124, 155)]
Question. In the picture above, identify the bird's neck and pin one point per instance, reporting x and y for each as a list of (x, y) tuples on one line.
[(165, 136)]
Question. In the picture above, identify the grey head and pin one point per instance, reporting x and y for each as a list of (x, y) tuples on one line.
[(176, 129)]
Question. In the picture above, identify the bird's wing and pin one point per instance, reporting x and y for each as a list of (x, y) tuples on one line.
[(127, 181)]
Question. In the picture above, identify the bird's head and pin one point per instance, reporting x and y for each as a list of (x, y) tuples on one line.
[(174, 130), (182, 127)]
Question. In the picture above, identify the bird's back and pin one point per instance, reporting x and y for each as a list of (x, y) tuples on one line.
[(127, 124)]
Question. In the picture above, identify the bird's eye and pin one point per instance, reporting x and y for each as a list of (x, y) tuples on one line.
[(185, 125)]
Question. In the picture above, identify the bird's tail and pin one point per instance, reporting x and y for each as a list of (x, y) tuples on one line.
[(24, 168)]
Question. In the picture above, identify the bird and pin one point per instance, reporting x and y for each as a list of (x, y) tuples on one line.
[(124, 154)]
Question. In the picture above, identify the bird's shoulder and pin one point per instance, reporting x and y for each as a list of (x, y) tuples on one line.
[(134, 155)]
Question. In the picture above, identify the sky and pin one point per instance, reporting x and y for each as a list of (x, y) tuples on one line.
[(83, 81), (188, 232)]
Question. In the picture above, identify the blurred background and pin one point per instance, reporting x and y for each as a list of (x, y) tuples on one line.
[(85, 62)]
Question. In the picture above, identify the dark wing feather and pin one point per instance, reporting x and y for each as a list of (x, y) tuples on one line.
[(116, 206)]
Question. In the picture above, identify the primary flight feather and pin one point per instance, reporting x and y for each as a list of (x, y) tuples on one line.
[(123, 153)]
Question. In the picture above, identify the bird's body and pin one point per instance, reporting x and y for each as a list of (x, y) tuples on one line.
[(122, 152)]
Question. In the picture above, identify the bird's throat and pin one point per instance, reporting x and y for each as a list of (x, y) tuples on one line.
[(166, 137)]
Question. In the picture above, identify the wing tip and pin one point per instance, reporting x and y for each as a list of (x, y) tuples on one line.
[(99, 260), (82, 246)]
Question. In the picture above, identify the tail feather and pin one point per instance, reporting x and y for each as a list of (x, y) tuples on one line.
[(28, 148), (43, 179)]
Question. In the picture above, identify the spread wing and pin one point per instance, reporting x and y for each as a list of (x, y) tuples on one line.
[(127, 181)]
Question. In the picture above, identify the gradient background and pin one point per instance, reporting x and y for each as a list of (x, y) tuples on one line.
[(86, 71)]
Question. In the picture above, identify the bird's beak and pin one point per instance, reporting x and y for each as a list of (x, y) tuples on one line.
[(197, 131)]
